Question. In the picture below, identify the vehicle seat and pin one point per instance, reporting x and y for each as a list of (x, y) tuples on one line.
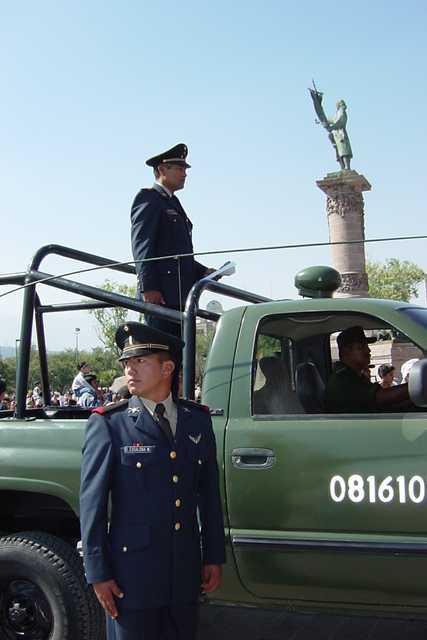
[(310, 387)]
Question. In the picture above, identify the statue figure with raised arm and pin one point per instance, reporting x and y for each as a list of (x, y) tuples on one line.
[(336, 128)]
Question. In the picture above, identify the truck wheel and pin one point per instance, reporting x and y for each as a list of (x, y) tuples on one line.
[(43, 592)]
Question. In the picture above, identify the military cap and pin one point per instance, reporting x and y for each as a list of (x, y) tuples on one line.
[(385, 369), (353, 335), (176, 155), (135, 339)]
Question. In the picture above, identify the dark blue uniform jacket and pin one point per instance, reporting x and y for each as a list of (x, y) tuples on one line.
[(160, 227), (153, 544)]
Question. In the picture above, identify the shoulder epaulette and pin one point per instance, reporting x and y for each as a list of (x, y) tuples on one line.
[(194, 404), (110, 407)]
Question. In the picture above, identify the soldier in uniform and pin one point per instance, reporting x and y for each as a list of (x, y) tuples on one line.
[(160, 227), (349, 390), (154, 457)]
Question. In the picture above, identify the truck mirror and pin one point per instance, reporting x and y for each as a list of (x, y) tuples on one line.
[(417, 383)]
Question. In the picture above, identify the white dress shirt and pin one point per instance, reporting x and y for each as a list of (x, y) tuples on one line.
[(171, 412)]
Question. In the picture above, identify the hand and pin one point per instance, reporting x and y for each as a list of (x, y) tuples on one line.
[(209, 271), (211, 577), (154, 297), (105, 592)]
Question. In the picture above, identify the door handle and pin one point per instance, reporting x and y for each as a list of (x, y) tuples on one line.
[(253, 458)]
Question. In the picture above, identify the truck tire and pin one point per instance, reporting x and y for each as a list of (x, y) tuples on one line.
[(43, 592)]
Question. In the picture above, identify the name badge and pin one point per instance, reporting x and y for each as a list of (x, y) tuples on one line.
[(141, 449)]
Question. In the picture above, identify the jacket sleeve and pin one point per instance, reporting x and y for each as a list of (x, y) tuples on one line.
[(95, 484), (200, 270), (145, 217), (211, 518)]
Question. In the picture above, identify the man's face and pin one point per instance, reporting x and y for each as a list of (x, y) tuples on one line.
[(85, 370), (145, 374), (358, 355), (173, 176)]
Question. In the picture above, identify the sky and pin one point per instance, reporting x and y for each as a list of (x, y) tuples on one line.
[(92, 89)]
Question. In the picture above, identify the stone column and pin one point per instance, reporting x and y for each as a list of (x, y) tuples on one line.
[(344, 207)]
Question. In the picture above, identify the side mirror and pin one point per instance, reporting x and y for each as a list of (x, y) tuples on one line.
[(417, 383)]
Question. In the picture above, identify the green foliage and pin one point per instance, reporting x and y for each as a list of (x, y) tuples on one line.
[(62, 368), (8, 372), (105, 364), (394, 279), (268, 346), (204, 337), (109, 319)]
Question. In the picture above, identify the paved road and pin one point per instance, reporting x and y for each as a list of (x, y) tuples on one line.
[(224, 623)]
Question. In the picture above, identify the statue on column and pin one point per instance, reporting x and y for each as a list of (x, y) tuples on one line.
[(336, 128)]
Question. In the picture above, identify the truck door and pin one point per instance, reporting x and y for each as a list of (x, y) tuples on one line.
[(322, 508)]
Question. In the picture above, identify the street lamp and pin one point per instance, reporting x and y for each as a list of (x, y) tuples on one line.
[(77, 331)]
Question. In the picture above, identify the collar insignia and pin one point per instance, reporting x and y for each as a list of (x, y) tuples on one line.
[(133, 411), (196, 439)]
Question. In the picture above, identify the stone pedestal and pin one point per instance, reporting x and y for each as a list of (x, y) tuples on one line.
[(345, 211)]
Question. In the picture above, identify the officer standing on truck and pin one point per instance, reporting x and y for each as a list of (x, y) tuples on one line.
[(154, 457), (160, 227)]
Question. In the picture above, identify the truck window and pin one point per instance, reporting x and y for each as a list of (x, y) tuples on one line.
[(273, 385)]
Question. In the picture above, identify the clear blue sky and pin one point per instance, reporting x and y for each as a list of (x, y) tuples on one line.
[(90, 90)]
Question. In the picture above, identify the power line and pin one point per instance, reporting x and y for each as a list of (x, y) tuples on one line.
[(215, 252)]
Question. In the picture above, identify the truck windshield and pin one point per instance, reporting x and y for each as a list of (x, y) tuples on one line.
[(419, 314)]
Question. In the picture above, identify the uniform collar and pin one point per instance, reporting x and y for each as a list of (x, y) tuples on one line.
[(162, 189), (150, 405)]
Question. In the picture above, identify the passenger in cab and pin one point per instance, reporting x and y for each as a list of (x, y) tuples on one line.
[(348, 389)]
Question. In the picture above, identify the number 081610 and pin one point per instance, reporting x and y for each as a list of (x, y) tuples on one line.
[(356, 488)]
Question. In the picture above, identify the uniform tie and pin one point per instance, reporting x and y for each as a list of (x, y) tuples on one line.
[(164, 424)]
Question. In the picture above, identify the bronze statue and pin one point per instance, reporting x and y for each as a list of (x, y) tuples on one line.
[(335, 127)]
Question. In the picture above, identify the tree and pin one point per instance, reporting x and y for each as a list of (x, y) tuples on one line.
[(8, 372), (109, 319), (394, 279)]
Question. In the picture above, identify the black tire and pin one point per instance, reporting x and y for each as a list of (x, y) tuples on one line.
[(43, 592)]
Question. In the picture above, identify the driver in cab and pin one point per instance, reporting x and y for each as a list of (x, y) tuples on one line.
[(349, 390)]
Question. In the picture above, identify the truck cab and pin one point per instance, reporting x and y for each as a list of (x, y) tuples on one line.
[(324, 510)]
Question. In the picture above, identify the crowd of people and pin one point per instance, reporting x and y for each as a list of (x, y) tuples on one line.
[(84, 391)]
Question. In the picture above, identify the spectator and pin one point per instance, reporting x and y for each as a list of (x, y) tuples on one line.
[(37, 394), (29, 402), (90, 396), (386, 375), (79, 382)]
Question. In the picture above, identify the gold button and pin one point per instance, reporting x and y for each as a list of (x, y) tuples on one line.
[(125, 549), (139, 465), (172, 455), (177, 503), (177, 526), (175, 479)]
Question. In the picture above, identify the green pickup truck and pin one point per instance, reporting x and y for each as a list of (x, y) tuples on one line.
[(322, 511)]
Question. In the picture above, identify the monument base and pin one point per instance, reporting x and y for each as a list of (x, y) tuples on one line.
[(345, 211)]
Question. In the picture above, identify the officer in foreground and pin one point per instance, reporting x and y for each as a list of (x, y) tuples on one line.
[(154, 457), (348, 389), (160, 227)]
